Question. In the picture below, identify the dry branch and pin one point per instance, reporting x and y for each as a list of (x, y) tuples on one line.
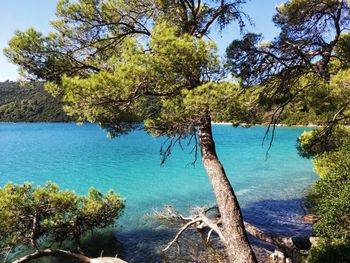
[(200, 220), (67, 254)]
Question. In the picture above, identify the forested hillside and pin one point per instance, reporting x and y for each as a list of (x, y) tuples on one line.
[(29, 104), (34, 104)]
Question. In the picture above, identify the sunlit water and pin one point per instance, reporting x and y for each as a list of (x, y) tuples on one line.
[(79, 156)]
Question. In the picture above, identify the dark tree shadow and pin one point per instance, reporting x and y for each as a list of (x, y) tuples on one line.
[(280, 217), (144, 244)]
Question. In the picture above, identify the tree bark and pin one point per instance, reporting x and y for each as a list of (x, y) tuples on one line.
[(235, 238)]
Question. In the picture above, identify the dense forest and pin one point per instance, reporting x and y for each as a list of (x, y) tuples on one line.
[(29, 104)]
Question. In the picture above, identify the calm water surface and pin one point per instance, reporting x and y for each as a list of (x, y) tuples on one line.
[(79, 156)]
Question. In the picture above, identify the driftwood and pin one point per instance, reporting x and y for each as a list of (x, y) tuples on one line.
[(53, 253), (67, 254), (210, 219)]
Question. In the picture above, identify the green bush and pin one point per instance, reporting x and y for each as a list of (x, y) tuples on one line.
[(333, 195), (326, 251), (318, 142), (331, 199), (29, 215)]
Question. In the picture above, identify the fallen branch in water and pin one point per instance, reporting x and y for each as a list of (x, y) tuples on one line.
[(209, 218)]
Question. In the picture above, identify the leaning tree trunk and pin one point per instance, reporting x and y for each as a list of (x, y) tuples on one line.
[(236, 241)]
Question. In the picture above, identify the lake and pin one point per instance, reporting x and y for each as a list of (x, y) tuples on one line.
[(79, 156)]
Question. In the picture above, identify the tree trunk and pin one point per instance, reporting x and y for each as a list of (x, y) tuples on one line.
[(236, 241)]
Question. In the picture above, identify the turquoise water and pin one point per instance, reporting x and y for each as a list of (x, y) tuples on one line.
[(79, 156)]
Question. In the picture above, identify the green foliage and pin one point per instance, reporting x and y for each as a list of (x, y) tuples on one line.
[(35, 52), (319, 101), (328, 161), (333, 195), (327, 104), (343, 51), (322, 141), (304, 71), (29, 104), (30, 214), (225, 101), (330, 197), (289, 13), (325, 251), (169, 88), (314, 101)]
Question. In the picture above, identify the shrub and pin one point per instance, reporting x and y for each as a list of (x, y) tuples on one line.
[(326, 251), (29, 215)]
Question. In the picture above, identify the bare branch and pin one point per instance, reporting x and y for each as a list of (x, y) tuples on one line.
[(190, 223), (201, 221)]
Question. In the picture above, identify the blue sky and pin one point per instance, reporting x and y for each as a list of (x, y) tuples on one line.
[(22, 14)]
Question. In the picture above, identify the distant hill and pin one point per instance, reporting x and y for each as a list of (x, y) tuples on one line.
[(29, 104), (35, 104)]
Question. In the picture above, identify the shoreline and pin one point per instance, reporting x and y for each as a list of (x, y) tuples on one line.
[(244, 125)]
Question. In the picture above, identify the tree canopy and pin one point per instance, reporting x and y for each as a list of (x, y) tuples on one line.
[(310, 32), (305, 68), (169, 88), (90, 31), (117, 62)]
